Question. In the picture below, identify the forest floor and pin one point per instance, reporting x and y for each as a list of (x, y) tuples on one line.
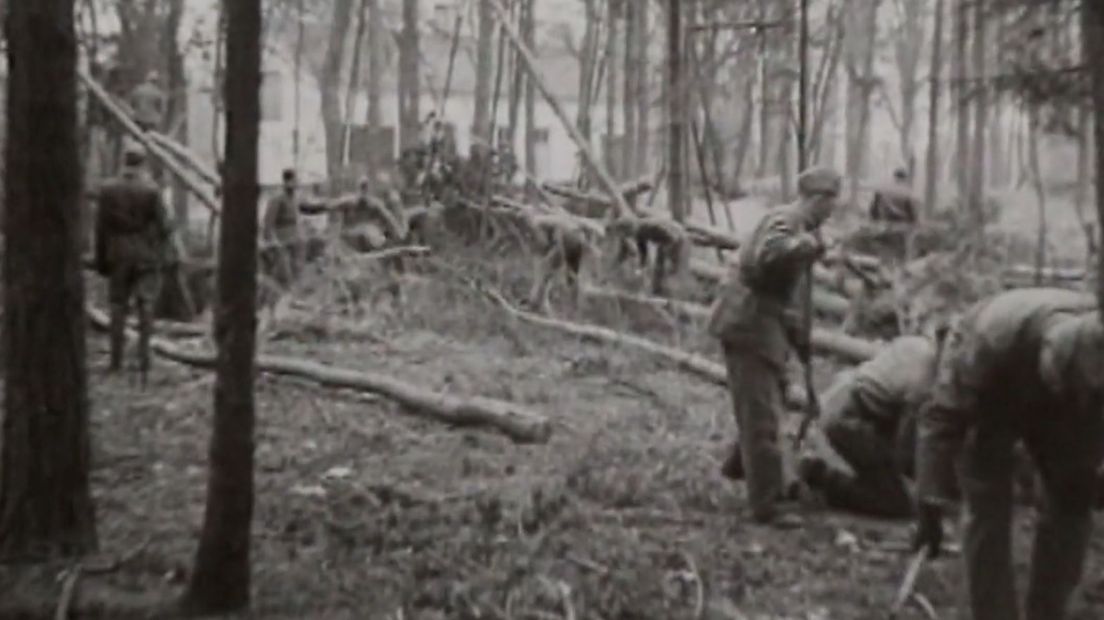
[(364, 511)]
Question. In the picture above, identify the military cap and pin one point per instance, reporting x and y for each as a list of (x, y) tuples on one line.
[(819, 179)]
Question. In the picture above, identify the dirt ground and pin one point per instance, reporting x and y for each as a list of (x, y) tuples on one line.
[(365, 511)]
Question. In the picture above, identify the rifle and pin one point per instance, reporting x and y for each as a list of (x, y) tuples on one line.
[(812, 407)]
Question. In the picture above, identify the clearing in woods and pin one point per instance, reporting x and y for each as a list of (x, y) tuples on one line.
[(364, 511)]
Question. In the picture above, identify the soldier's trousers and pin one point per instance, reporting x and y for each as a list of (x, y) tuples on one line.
[(1066, 459), (755, 383), (141, 283)]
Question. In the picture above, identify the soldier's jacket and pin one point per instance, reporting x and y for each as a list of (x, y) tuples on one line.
[(894, 203), (281, 217), (132, 225), (381, 213), (893, 384), (755, 306), (1017, 358)]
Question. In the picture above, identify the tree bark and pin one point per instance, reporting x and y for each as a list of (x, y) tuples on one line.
[(962, 100), (981, 109), (588, 65), (517, 84), (931, 181), (481, 123), (220, 581), (643, 93), (629, 103), (613, 37), (1092, 31), (352, 89), (862, 30), (908, 47), (45, 500), (529, 36), (376, 42), (331, 83), (410, 90), (676, 113)]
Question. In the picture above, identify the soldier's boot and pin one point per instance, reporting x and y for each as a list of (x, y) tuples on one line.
[(117, 335)]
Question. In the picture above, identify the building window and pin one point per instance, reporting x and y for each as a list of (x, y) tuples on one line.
[(272, 96)]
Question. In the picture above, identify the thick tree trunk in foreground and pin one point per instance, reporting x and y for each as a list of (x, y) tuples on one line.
[(221, 577), (45, 503)]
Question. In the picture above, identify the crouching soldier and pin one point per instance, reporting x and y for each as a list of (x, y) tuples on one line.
[(132, 245), (869, 421), (638, 234), (561, 245), (1022, 366), (369, 221), (756, 321)]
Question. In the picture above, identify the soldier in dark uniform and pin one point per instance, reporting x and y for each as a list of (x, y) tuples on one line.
[(755, 318), (1022, 366), (133, 244), (895, 203), (869, 421), (639, 234)]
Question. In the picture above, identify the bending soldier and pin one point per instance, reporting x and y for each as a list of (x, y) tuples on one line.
[(1022, 366), (133, 235), (562, 245), (755, 319), (895, 203), (668, 238), (371, 221), (869, 420)]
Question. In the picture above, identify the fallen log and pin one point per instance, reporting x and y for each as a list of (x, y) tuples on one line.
[(515, 421), (694, 364), (824, 301), (186, 157), (825, 342)]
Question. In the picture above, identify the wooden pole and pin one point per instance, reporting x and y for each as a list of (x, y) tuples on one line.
[(526, 57)]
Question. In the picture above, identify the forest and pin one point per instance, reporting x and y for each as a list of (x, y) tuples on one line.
[(425, 326)]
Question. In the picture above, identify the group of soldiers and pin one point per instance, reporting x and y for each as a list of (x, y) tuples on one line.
[(949, 408)]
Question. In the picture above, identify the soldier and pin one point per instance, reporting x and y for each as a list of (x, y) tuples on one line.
[(869, 420), (370, 221), (562, 244), (147, 101), (666, 236), (754, 317), (133, 233), (1024, 365), (895, 203), (281, 227)]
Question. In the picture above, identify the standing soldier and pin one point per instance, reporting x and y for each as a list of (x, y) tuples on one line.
[(869, 421), (133, 233), (281, 228), (754, 318), (1025, 365)]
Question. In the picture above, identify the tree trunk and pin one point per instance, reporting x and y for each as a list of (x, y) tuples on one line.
[(221, 578), (353, 87), (628, 103), (330, 83), (410, 90), (962, 100), (529, 35), (300, 35), (931, 181), (613, 38), (45, 501), (176, 105), (517, 85), (862, 30), (676, 113), (909, 44), (1092, 32), (375, 62), (643, 94), (481, 123), (981, 110), (587, 68)]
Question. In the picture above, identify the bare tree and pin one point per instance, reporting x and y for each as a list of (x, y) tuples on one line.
[(331, 83), (981, 106), (481, 123), (676, 113), (935, 78), (45, 502), (862, 31), (410, 91), (643, 96), (221, 578), (613, 38), (628, 102), (960, 75), (908, 40), (529, 33), (375, 61)]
